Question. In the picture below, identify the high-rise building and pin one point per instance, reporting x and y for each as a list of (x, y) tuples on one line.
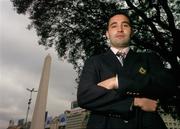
[(11, 123), (76, 118), (170, 122)]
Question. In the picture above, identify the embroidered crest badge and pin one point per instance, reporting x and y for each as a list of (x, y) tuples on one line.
[(142, 71)]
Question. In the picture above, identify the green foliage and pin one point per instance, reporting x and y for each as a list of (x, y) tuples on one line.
[(76, 28)]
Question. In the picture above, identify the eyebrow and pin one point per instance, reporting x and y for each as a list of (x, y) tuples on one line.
[(113, 23), (127, 22)]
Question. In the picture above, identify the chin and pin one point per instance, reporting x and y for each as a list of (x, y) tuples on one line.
[(122, 45)]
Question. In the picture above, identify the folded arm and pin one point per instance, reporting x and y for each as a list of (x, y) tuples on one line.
[(93, 97), (145, 104)]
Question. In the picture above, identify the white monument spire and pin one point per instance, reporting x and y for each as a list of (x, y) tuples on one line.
[(38, 118)]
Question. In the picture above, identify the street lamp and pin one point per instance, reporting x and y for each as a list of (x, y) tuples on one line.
[(29, 103)]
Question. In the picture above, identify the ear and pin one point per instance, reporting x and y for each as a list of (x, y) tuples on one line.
[(107, 34), (132, 33)]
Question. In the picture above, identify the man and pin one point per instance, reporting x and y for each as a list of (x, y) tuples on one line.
[(122, 90)]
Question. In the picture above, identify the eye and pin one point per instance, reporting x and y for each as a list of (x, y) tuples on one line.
[(113, 26), (126, 25)]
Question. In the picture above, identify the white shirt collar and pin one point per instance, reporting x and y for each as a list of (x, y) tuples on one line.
[(124, 50)]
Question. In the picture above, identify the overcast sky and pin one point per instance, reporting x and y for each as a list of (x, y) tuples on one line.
[(21, 62)]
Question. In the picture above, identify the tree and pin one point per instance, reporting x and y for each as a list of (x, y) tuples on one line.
[(76, 28)]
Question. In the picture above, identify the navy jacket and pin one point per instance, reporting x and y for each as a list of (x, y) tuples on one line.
[(142, 75)]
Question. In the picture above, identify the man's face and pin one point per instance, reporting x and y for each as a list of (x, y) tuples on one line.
[(119, 31)]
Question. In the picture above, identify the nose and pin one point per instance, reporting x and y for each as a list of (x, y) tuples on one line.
[(120, 28)]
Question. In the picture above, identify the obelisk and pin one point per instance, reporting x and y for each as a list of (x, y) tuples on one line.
[(38, 118)]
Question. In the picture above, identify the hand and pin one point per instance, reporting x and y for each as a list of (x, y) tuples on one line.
[(146, 104), (109, 83)]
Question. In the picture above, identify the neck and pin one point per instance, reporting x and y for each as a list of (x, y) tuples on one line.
[(120, 48)]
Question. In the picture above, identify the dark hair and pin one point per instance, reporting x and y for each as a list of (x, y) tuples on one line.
[(118, 13)]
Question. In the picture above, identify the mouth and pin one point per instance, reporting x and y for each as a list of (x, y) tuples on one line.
[(120, 36)]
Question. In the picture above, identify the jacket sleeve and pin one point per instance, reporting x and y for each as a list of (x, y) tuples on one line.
[(96, 98), (155, 81)]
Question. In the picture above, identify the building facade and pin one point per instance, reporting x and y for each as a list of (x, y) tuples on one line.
[(76, 118)]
